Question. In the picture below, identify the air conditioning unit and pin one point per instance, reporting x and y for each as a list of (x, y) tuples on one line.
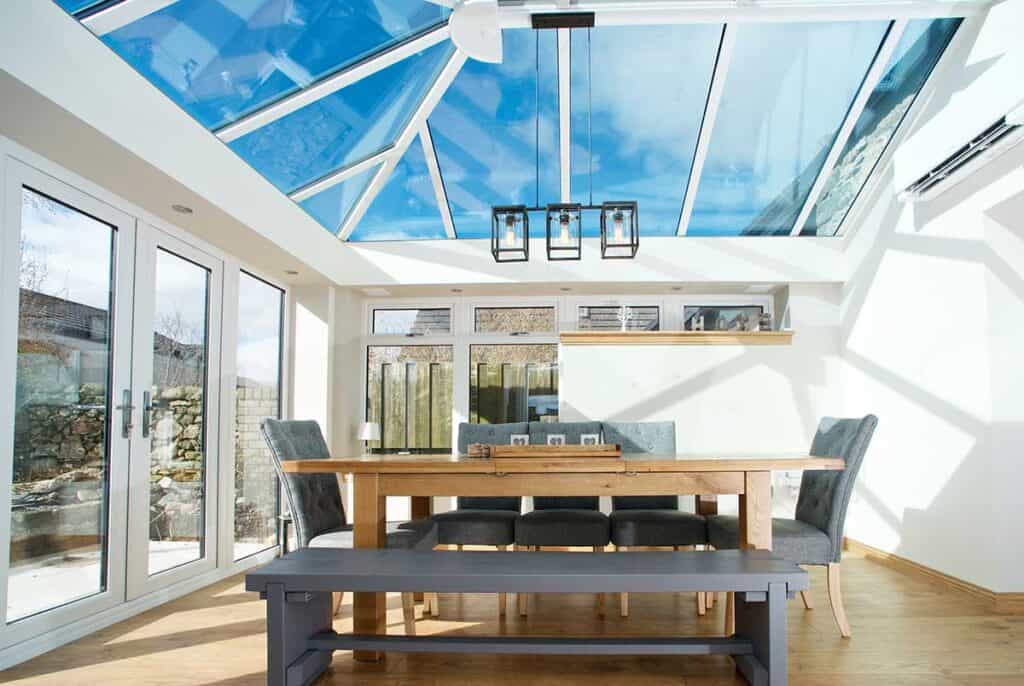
[(986, 146)]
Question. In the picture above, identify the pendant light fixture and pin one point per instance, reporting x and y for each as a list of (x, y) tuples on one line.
[(620, 236), (564, 231), (510, 234)]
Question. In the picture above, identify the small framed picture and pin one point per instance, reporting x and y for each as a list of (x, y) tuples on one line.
[(590, 439), (556, 439), (520, 439)]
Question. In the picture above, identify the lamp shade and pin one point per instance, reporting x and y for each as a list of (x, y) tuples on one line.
[(369, 431)]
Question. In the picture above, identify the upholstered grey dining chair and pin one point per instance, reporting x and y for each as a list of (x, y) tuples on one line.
[(815, 535), (650, 521), (562, 521), (489, 521), (314, 500)]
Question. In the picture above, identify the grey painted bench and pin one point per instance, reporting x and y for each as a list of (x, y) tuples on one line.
[(300, 638)]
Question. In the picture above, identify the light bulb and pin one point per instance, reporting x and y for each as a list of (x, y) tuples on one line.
[(619, 234), (510, 229), (563, 221)]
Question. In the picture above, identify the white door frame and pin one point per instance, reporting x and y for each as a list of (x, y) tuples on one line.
[(139, 580), (16, 176)]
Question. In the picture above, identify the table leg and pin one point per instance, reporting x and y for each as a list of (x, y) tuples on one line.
[(755, 527), (420, 507), (706, 505), (369, 610)]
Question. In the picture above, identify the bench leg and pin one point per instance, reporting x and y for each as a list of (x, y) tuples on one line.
[(600, 596), (764, 624), (409, 614), (291, 620)]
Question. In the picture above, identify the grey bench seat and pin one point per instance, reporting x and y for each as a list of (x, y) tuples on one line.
[(298, 589)]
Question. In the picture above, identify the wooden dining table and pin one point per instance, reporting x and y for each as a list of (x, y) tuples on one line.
[(424, 476)]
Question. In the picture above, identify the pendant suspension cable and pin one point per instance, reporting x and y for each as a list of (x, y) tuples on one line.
[(536, 131), (590, 117)]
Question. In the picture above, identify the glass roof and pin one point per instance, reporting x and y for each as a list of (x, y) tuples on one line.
[(640, 116), (487, 127), (787, 93), (406, 208), (637, 98), (920, 48), (221, 59)]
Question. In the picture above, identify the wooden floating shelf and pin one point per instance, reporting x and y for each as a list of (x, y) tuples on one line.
[(677, 338)]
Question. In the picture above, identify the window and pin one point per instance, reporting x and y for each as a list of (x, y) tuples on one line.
[(514, 320), (619, 318), (257, 396), (409, 393), (412, 322), (513, 383), (722, 318), (61, 461)]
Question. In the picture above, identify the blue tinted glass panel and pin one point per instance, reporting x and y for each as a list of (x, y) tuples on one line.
[(73, 6), (787, 92), (406, 208), (919, 50), (330, 207), (485, 132), (344, 127), (221, 59), (650, 86)]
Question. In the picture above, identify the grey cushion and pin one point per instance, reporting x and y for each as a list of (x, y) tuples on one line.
[(650, 438), (572, 431), (491, 503), (585, 502), (796, 541), (657, 527), (314, 500), (418, 534), (825, 495), (489, 434), (476, 527), (562, 528)]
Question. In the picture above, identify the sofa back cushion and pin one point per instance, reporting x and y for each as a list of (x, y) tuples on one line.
[(539, 431)]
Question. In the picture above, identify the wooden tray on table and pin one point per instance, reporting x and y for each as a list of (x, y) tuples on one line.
[(555, 452)]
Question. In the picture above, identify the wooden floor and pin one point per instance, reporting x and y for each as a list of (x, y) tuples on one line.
[(906, 631)]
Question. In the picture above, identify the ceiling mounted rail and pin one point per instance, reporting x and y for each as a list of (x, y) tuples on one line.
[(110, 17)]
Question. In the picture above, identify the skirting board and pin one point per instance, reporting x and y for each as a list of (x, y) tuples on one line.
[(1002, 603)]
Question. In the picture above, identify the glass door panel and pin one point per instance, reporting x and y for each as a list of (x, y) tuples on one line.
[(172, 522), (67, 270)]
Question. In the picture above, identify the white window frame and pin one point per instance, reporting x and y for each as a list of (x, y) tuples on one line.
[(660, 301)]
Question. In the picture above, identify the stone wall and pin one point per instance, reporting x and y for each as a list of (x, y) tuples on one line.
[(255, 480)]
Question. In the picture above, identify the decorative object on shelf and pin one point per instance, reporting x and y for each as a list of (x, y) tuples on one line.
[(564, 231), (520, 439), (620, 234), (369, 431), (556, 439), (510, 233), (764, 322), (590, 439), (625, 316), (478, 450)]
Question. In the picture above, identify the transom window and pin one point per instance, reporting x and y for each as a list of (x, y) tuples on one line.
[(412, 322), (619, 318), (514, 320)]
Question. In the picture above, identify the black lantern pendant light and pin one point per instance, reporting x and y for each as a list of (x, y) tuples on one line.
[(564, 231), (510, 234), (620, 235)]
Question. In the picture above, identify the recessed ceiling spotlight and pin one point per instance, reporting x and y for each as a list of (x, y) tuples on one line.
[(677, 288), (181, 209), (291, 272), (456, 290), (565, 290)]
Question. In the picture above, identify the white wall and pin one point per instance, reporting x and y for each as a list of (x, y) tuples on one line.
[(312, 363), (725, 400), (933, 333)]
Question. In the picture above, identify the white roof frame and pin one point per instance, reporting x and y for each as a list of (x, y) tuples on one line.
[(419, 117), (867, 87), (331, 84), (516, 13), (123, 13), (564, 113), (430, 154), (707, 124), (336, 177)]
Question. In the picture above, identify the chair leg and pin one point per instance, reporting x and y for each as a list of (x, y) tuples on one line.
[(835, 596), (502, 597), (522, 598), (409, 614), (730, 613), (701, 600), (806, 597), (431, 605), (601, 600), (623, 597), (338, 597)]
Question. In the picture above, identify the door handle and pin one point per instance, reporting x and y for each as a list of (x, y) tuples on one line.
[(126, 408), (147, 409)]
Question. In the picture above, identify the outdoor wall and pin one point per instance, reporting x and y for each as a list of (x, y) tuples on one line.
[(751, 400), (932, 333)]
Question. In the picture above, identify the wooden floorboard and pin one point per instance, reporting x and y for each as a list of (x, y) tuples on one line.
[(906, 631)]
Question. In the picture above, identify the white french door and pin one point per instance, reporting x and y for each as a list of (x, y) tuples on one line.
[(175, 372)]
